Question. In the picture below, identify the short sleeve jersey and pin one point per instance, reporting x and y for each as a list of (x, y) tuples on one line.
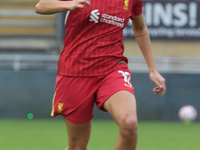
[(93, 42)]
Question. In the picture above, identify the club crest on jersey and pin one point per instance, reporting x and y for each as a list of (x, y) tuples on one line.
[(105, 18), (126, 4)]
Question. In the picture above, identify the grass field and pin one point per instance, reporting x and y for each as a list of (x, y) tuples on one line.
[(52, 135)]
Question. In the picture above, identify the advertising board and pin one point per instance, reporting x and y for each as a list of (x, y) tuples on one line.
[(170, 19)]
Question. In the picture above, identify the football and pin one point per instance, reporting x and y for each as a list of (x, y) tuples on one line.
[(187, 113)]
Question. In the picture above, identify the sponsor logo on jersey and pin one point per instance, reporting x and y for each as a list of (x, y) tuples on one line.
[(126, 4), (94, 16), (109, 19)]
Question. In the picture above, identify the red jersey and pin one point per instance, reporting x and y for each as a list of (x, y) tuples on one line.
[(93, 42)]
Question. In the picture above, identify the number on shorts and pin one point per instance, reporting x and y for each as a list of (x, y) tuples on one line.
[(127, 77)]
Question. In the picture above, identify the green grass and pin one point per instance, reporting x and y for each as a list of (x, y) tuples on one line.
[(52, 135)]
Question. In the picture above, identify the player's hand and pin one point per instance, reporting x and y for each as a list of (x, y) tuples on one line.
[(159, 81), (79, 4)]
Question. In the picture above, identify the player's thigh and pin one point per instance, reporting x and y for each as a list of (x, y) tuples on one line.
[(74, 98), (116, 95), (122, 107), (78, 133)]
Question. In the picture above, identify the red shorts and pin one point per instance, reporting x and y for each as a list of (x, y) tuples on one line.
[(74, 97)]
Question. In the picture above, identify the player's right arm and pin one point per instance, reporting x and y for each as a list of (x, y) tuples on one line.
[(56, 6)]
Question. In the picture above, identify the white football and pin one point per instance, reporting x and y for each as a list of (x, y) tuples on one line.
[(187, 113)]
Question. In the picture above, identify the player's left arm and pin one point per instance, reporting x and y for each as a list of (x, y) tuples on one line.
[(143, 39)]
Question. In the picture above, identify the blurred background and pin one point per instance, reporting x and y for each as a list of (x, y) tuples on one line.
[(30, 45)]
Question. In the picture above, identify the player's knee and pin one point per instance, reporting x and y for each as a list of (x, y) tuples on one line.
[(77, 147), (128, 127), (77, 144)]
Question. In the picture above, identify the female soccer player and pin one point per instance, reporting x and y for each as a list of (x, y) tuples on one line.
[(92, 68)]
